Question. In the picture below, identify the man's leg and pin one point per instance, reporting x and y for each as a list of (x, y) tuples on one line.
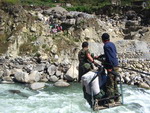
[(116, 92), (80, 73), (110, 86)]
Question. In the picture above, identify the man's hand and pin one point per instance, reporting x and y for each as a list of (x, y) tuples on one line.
[(96, 57), (96, 64)]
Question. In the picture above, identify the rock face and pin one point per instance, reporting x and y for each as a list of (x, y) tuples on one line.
[(37, 85), (61, 83)]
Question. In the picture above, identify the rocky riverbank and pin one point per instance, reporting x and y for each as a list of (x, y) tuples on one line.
[(37, 72)]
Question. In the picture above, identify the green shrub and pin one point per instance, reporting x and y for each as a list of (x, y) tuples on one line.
[(32, 38), (3, 43), (11, 1), (44, 46), (28, 48)]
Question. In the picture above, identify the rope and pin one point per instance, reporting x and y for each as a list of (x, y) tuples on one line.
[(146, 73)]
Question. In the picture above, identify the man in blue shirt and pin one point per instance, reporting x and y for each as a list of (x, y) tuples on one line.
[(111, 64)]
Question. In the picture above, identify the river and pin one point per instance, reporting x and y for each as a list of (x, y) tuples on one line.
[(66, 100)]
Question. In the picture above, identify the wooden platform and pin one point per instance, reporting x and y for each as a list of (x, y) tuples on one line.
[(106, 106)]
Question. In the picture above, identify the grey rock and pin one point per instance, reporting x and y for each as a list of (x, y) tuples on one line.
[(33, 29), (144, 85), (40, 16), (7, 72), (37, 85), (29, 68), (61, 83), (39, 67), (58, 73), (72, 73), (51, 70), (13, 71), (70, 21), (7, 82), (22, 77), (54, 49), (127, 79), (44, 80), (7, 78), (53, 79), (34, 76), (59, 10), (1, 73)]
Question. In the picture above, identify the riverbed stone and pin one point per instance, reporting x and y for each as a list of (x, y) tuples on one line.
[(44, 80), (72, 73), (7, 78), (7, 82), (37, 85), (51, 70), (54, 49), (61, 83), (13, 71), (139, 66), (33, 29), (1, 73), (34, 76), (144, 85), (127, 79), (39, 67), (22, 77), (53, 79), (7, 72), (58, 73)]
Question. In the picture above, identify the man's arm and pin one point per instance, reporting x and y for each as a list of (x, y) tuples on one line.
[(89, 57)]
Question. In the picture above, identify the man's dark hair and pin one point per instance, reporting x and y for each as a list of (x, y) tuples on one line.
[(105, 37), (85, 44)]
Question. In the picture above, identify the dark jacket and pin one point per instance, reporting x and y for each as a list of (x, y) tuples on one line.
[(110, 54)]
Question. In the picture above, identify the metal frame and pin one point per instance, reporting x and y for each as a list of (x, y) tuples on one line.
[(95, 105)]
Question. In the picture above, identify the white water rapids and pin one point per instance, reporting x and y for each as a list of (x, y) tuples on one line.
[(66, 100)]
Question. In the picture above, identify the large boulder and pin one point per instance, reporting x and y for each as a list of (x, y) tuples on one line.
[(34, 76), (51, 70), (61, 83), (72, 73), (37, 85), (22, 77)]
